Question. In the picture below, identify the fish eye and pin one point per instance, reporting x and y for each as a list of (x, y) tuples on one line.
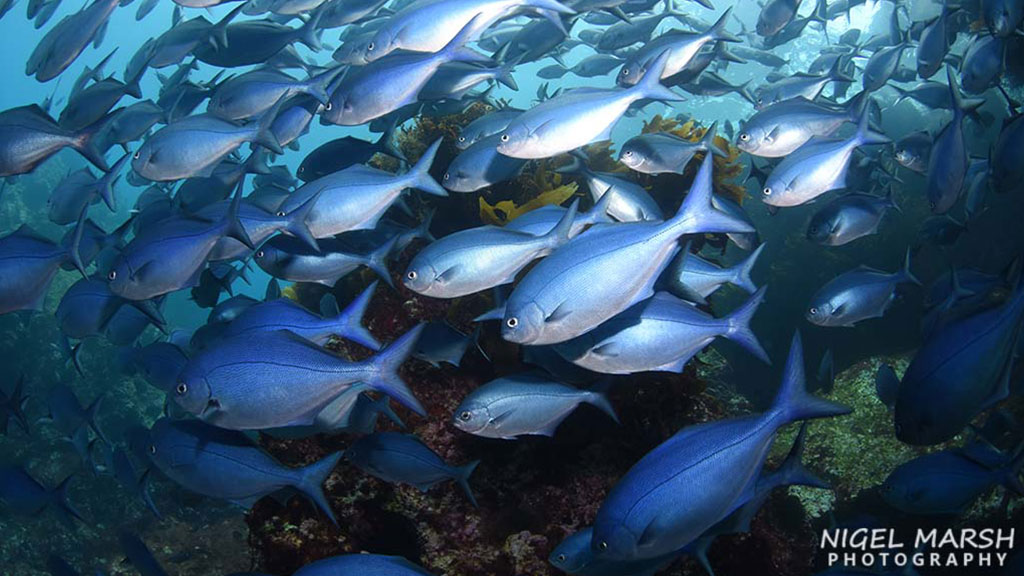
[(152, 448), (931, 204), (465, 416), (625, 71), (627, 153), (280, 213), (181, 389), (561, 557), (813, 310), (462, 138), (603, 545), (328, 106), (760, 101), (112, 275), (259, 253), (767, 191), (744, 136), (136, 155), (504, 137), (447, 176), (512, 322), (411, 275), (369, 47)]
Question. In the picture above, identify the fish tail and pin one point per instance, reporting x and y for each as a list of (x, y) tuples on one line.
[(75, 250), (319, 86), (837, 72), (350, 321), (504, 75), (793, 472), (741, 278), (456, 51), (599, 398), (576, 165), (378, 261), (296, 221), (423, 230), (793, 403), (697, 215), (264, 129), (560, 233), (419, 174), (231, 225), (147, 498), (86, 143), (650, 85), (905, 274), (383, 406), (739, 326), (386, 143), (890, 199), (865, 135), (309, 33), (717, 32), (61, 503), (462, 474), (311, 481), (105, 185), (388, 362), (707, 141)]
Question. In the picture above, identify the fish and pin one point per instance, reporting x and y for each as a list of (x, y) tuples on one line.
[(480, 166), (355, 198), (781, 128), (130, 124), (226, 464), (87, 307), (242, 383), (443, 343), (637, 522), (664, 152), (947, 482), (428, 27), (28, 137), (1007, 171), (933, 44), (1002, 16), (523, 404), (774, 16), (253, 41), (859, 294), (66, 40), (454, 80), (547, 307), (808, 86), (252, 94), (695, 279), (404, 459), (816, 167), (660, 334), (849, 217), (362, 564), (158, 362), (578, 117), (627, 200), (983, 63), (171, 255), (743, 240), (960, 370), (79, 190), (913, 150), (541, 221), (679, 49), (386, 84), (293, 260), (882, 65), (194, 145), (947, 160), (478, 259), (22, 494), (28, 264), (484, 126), (284, 314), (339, 154)]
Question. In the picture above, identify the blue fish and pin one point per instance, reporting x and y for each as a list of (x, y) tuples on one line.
[(849, 217), (660, 334), (665, 501), (129, 479), (12, 406), (948, 482), (290, 259), (24, 495), (226, 464), (403, 458), (28, 263), (962, 368), (139, 554), (159, 363), (88, 305), (353, 412), (284, 314), (856, 295), (695, 279), (276, 379)]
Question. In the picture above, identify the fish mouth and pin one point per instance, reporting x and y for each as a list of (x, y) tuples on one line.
[(212, 405)]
